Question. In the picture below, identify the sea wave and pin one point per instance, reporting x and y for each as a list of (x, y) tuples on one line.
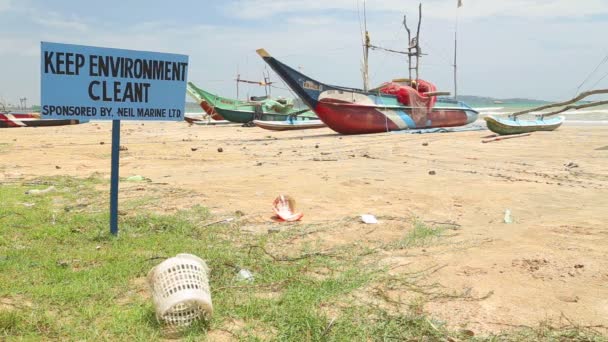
[(488, 109), (573, 113), (597, 111)]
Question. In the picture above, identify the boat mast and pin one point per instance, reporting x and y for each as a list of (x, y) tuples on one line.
[(455, 66), (413, 49), (238, 80), (267, 84), (365, 52), (456, 51)]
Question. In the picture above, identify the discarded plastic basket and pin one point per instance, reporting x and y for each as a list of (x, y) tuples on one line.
[(180, 290)]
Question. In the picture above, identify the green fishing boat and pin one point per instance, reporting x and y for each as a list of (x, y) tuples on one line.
[(507, 126), (512, 125), (266, 109)]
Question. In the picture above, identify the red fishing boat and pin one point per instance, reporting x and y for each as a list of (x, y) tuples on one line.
[(12, 120), (390, 107), (397, 105)]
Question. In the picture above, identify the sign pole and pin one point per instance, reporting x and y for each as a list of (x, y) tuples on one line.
[(114, 177), (78, 83)]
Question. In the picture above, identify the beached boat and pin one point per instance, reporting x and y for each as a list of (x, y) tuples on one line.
[(207, 108), (289, 125), (390, 107), (212, 122), (505, 126), (512, 125), (246, 111), (13, 120)]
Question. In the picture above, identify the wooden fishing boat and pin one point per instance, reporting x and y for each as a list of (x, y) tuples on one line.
[(356, 111), (512, 125), (246, 111), (506, 126), (212, 122), (204, 121), (289, 125), (207, 108), (13, 120)]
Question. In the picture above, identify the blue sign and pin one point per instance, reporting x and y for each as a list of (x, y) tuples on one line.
[(93, 83)]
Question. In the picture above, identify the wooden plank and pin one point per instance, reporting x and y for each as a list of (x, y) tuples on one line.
[(503, 137)]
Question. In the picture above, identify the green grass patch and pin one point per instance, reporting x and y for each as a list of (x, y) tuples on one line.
[(4, 147), (64, 277), (421, 235)]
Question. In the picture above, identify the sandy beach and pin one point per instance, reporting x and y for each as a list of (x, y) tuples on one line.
[(549, 264)]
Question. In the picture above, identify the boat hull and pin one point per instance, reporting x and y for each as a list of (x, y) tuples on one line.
[(506, 126), (289, 125), (210, 110), (206, 106), (246, 116), (349, 118), (33, 120)]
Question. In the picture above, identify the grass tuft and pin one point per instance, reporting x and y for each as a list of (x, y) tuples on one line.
[(421, 235)]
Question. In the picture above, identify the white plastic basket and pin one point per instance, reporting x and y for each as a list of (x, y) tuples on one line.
[(180, 290)]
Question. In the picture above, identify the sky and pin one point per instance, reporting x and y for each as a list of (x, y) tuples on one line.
[(542, 49)]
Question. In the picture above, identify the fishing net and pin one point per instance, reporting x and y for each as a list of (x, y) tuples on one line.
[(417, 99), (279, 105), (409, 96)]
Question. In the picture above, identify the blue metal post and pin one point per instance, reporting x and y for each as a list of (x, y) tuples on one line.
[(114, 178)]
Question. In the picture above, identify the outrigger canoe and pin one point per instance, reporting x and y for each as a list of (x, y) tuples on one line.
[(512, 125), (289, 125), (506, 126), (246, 111)]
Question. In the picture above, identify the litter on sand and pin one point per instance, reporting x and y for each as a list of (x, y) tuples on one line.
[(180, 291), (244, 275), (40, 192), (284, 207), (508, 218), (369, 219)]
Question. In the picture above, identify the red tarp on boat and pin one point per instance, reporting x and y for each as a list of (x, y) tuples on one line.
[(409, 96), (421, 104)]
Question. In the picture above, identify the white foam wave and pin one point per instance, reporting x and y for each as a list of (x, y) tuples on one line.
[(495, 113), (599, 111), (488, 109)]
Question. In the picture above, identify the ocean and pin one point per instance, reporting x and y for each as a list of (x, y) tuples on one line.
[(592, 114)]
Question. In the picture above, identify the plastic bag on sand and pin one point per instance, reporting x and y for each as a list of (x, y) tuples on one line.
[(369, 219), (285, 206)]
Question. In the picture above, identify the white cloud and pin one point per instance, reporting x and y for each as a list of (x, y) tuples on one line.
[(19, 47), (313, 20), (56, 21), (5, 5), (252, 9)]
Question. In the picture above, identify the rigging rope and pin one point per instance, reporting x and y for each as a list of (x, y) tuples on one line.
[(604, 60), (600, 80), (360, 26), (383, 65)]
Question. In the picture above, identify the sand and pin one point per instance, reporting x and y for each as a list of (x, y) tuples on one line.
[(550, 263)]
